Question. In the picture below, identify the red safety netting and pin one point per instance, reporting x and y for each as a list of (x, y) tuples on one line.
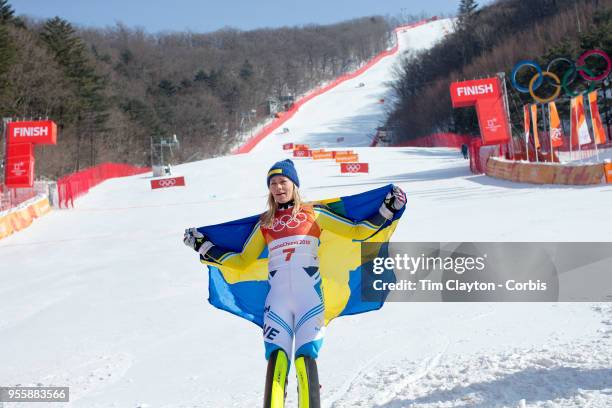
[(437, 140), (285, 116), (76, 184)]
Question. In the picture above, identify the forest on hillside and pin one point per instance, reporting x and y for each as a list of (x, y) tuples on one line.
[(488, 40), (111, 90)]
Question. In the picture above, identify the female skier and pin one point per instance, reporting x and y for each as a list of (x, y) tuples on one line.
[(294, 308)]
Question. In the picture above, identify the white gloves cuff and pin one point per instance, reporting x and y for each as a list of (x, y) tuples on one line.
[(385, 212), (205, 247)]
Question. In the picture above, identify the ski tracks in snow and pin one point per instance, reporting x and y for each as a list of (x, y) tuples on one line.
[(577, 374)]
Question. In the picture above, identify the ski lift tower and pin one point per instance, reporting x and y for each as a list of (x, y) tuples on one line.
[(160, 168)]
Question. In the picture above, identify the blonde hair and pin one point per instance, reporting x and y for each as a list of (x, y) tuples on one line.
[(268, 217)]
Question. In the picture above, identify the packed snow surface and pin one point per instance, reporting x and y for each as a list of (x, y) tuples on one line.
[(107, 300)]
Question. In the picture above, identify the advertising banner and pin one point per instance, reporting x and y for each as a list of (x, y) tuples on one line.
[(322, 155), (598, 129), (354, 168), (167, 182), (534, 121), (579, 127), (302, 153), (350, 158), (556, 131)]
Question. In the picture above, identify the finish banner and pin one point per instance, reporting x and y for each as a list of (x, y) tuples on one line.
[(19, 149), (487, 96), (37, 132), (598, 129)]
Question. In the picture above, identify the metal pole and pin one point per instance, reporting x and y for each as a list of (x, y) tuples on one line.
[(502, 76), (605, 89), (591, 114), (552, 149), (527, 132), (572, 130), (4, 146), (564, 133), (536, 132), (578, 132), (544, 124), (161, 149)]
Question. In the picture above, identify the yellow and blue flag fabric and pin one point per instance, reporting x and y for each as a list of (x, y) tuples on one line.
[(244, 293)]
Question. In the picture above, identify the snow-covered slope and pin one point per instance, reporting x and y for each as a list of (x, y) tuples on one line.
[(106, 299), (351, 111)]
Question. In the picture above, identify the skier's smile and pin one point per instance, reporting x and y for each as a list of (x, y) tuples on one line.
[(281, 188)]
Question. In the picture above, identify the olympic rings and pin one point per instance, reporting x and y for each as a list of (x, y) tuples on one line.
[(554, 95), (582, 61), (570, 63), (518, 67), (574, 69), (580, 70), (167, 182), (353, 168), (288, 221)]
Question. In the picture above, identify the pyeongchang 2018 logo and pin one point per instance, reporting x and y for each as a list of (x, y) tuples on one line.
[(288, 222)]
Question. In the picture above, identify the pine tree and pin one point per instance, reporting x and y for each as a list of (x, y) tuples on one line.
[(7, 14), (7, 46), (7, 52), (467, 7), (246, 71), (89, 108), (200, 76)]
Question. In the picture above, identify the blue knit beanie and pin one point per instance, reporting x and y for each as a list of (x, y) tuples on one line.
[(284, 168)]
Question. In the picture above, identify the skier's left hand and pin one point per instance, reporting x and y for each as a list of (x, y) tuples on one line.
[(394, 202), (196, 240)]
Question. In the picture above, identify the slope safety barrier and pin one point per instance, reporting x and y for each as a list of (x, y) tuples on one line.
[(22, 216), (545, 173), (268, 129), (76, 184)]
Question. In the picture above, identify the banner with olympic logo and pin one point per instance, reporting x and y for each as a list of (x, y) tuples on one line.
[(168, 182), (354, 168)]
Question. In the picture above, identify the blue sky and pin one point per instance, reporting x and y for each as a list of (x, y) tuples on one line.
[(205, 16)]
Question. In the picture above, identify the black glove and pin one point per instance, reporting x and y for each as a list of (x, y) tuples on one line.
[(394, 201), (197, 241)]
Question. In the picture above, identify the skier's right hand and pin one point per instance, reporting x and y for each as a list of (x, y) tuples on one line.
[(197, 241)]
